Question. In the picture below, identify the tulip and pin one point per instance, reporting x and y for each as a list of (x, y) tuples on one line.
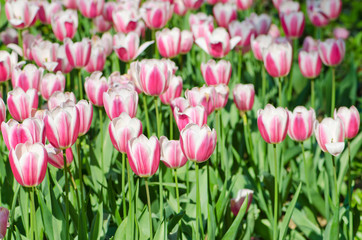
[(117, 101), (330, 135), (62, 125), (171, 153), (260, 43), (105, 41), (78, 53), (20, 103), (197, 115), (181, 103), (97, 59), (332, 8), (340, 33), (179, 7), (108, 10), (201, 25), (197, 143), (63, 63), (116, 80), (173, 91), (65, 24), (127, 46), (56, 158), (310, 44), (350, 119), (144, 155), (71, 4), (237, 202), (10, 35), (85, 110), (2, 111), (204, 96), (310, 64), (122, 129), (39, 114), (27, 78), (101, 25), (277, 3), (274, 31), (316, 14), (90, 9), (244, 95), (57, 98), (45, 54), (156, 14), (47, 11), (50, 83), (224, 14), (28, 40), (193, 4), (273, 123), (293, 24), (221, 96), (29, 163), (218, 44), (288, 7), (261, 23), (4, 218), (21, 13), (245, 30), (278, 59), (7, 63), (125, 20), (187, 41), (244, 4), (95, 85), (169, 42), (14, 133), (301, 122), (332, 51)]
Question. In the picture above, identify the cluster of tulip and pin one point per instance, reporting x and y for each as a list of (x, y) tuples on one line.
[(36, 137)]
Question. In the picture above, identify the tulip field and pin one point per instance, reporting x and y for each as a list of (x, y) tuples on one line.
[(180, 119)]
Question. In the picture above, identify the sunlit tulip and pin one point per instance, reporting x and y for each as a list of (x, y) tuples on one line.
[(62, 125), (169, 42), (187, 41), (78, 53), (204, 96), (125, 20), (180, 103), (47, 10), (56, 158), (101, 25), (197, 115), (332, 8), (95, 85), (310, 64), (179, 7), (340, 33), (237, 202), (350, 119), (108, 10), (245, 30), (244, 95), (171, 153), (156, 14), (21, 13), (26, 78), (198, 143), (71, 4), (288, 7), (105, 41), (85, 110), (273, 123), (4, 218), (10, 35), (201, 25), (332, 51), (278, 59), (29, 163), (244, 4), (20, 103), (293, 24), (97, 59), (260, 43), (224, 14), (310, 44), (173, 91), (65, 24), (2, 111), (221, 96), (7, 63), (63, 62), (57, 98), (117, 101), (193, 4), (301, 122), (45, 54), (330, 135), (122, 129), (274, 31), (315, 14), (90, 9), (261, 23), (50, 83), (144, 155)]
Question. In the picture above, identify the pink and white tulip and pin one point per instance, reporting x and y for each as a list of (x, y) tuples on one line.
[(47, 11), (105, 41), (261, 23), (179, 8), (274, 31), (316, 15), (187, 41), (215, 73), (50, 83), (301, 122), (169, 42), (221, 96), (340, 33), (63, 62), (2, 111), (310, 44), (101, 25), (156, 13), (332, 8), (245, 30), (10, 35), (45, 54), (278, 59), (332, 51), (125, 20), (193, 4), (204, 96), (260, 43), (244, 95), (224, 14), (244, 4), (237, 202), (65, 24), (90, 9), (78, 53), (95, 85), (197, 115), (310, 64), (171, 153), (293, 24), (4, 218), (278, 3), (26, 78), (7, 63), (57, 98), (180, 103), (21, 13), (71, 4), (350, 119), (56, 158), (20, 103), (173, 91), (201, 25), (117, 101), (97, 59), (108, 10), (85, 110), (288, 7)]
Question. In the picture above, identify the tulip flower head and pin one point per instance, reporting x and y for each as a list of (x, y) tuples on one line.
[(56, 158), (169, 42), (47, 10), (21, 13), (332, 51), (244, 95), (261, 23), (245, 30), (90, 9), (259, 44), (224, 14), (187, 41), (215, 73), (50, 83), (26, 78), (125, 20), (278, 59), (310, 44), (7, 63), (204, 96), (310, 64), (20, 103), (173, 91), (58, 97), (301, 122), (97, 59), (197, 115), (85, 110), (221, 96), (332, 8), (244, 4), (78, 53), (119, 100), (156, 13), (171, 153), (293, 24), (237, 202), (193, 4), (95, 85), (340, 33), (350, 119), (288, 7), (4, 218)]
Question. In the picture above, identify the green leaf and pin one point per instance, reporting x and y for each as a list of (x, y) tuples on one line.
[(175, 220), (331, 232), (47, 218), (96, 229), (211, 223), (121, 230), (311, 230), (160, 233)]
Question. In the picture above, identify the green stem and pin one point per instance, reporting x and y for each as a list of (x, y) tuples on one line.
[(198, 211), (240, 62), (276, 193), (123, 185), (312, 93), (160, 177), (80, 226), (217, 126), (66, 196), (171, 124), (20, 39), (130, 184), (80, 84), (280, 91), (155, 43), (68, 82), (80, 176), (32, 216), (223, 160), (263, 86), (306, 172), (187, 178), (333, 90), (335, 197), (350, 213), (248, 139), (149, 208), (177, 192), (146, 115), (101, 131)]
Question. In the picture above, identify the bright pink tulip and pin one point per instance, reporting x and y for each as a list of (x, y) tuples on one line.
[(62, 125), (144, 155), (293, 24), (351, 120), (27, 78), (310, 64), (244, 4), (71, 4), (193, 4), (95, 85), (101, 25), (204, 96), (301, 122), (108, 10), (315, 14), (4, 218), (20, 103), (235, 203), (245, 30), (57, 98), (78, 53), (179, 7), (180, 103), (153, 75), (2, 111), (273, 123), (288, 7), (119, 100), (85, 110), (278, 59), (90, 9), (201, 25), (122, 129), (97, 59), (29, 163), (48, 10), (7, 63), (65, 24), (244, 95), (45, 54), (63, 62), (127, 46), (125, 20), (169, 42), (261, 23), (332, 8), (274, 31), (197, 115), (187, 41), (310, 44), (10, 35), (332, 51), (260, 43), (218, 44), (21, 13), (198, 143), (221, 96), (330, 135), (340, 33), (224, 14), (156, 14), (173, 91), (31, 130), (50, 83), (56, 158), (171, 153)]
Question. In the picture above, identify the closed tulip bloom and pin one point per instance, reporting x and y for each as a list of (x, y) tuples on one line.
[(90, 9), (310, 44), (201, 24), (173, 91), (261, 23), (65, 24), (301, 122), (198, 143), (278, 3), (57, 98), (4, 218), (56, 158), (62, 125), (20, 103), (187, 41), (245, 30), (45, 54), (244, 95), (197, 115), (274, 31), (71, 4), (39, 114), (273, 123), (156, 14), (293, 24), (95, 85), (26, 78), (78, 53), (315, 14), (63, 62), (171, 153), (2, 111), (330, 135), (144, 155), (28, 40), (122, 129), (97, 59), (169, 42), (278, 59), (31, 130), (125, 20), (105, 41), (180, 103), (237, 202), (179, 7), (350, 119), (310, 64), (332, 51), (204, 96), (193, 4), (288, 7), (101, 25), (50, 83), (29, 163), (221, 96), (332, 8), (127, 47), (7, 63), (10, 35), (244, 4), (47, 11), (117, 101), (340, 33), (21, 13), (108, 10), (116, 80), (224, 14), (260, 43), (85, 110)]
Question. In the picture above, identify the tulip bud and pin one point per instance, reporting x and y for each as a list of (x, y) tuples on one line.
[(179, 8), (156, 14), (278, 59), (293, 24), (169, 42), (316, 15), (224, 14), (332, 51), (56, 158), (78, 53), (237, 202), (125, 20), (244, 4), (261, 23), (7, 63), (97, 59), (215, 73), (260, 43), (187, 41), (50, 83), (57, 98), (171, 153), (4, 218), (350, 119), (47, 11), (244, 95), (332, 8), (310, 64), (101, 25), (65, 24), (204, 96), (21, 13), (197, 115), (20, 103), (117, 101), (90, 9), (301, 122), (173, 91), (95, 85), (27, 78), (221, 96), (85, 110), (310, 44), (340, 33)]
